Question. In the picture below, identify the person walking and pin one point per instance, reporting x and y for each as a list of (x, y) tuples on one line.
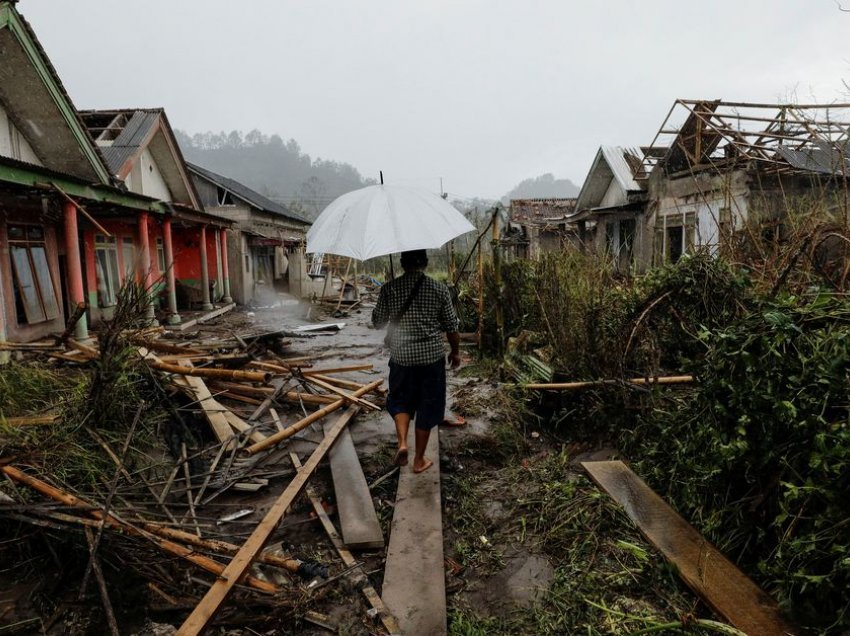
[(417, 310)]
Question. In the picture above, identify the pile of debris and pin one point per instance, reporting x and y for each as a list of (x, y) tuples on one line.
[(167, 520)]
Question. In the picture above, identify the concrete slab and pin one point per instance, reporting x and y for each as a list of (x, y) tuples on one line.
[(358, 520), (414, 579)]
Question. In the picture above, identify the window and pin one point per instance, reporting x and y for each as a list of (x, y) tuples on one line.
[(675, 235), (128, 253), (224, 197), (35, 295), (106, 265), (160, 255)]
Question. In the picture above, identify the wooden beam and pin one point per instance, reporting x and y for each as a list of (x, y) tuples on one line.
[(208, 316), (238, 567), (727, 590)]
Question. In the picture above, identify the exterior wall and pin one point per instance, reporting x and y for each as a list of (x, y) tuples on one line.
[(124, 231), (146, 178), (614, 195), (701, 202), (13, 144), (187, 263), (16, 330), (300, 284)]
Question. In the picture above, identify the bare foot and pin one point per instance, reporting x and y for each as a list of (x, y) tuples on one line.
[(400, 458), (421, 467)]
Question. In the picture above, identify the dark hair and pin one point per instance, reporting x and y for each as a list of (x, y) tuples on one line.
[(414, 259)]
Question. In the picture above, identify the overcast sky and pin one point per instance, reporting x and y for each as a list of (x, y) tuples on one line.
[(483, 93)]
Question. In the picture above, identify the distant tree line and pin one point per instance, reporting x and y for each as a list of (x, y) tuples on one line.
[(273, 167)]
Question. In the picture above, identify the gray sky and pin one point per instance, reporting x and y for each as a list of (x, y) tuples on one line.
[(482, 93)]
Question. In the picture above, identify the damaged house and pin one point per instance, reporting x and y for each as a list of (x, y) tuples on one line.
[(78, 217), (267, 237), (609, 209), (538, 226), (142, 153), (715, 165)]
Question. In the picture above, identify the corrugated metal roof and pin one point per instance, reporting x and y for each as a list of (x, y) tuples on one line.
[(127, 144), (616, 158), (246, 194), (821, 156)]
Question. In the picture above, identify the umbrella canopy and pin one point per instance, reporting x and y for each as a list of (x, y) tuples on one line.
[(384, 219)]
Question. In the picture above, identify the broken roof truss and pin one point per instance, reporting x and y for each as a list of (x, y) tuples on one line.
[(701, 134)]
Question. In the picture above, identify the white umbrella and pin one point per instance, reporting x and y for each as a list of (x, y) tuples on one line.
[(384, 219)]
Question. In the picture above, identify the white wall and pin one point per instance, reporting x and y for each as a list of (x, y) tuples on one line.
[(13, 144), (614, 195), (145, 178)]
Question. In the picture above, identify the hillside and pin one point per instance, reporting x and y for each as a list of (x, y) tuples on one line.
[(543, 187), (276, 169)]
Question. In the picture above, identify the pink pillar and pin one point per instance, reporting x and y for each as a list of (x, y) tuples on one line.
[(170, 276), (145, 275), (225, 273), (205, 271), (75, 267)]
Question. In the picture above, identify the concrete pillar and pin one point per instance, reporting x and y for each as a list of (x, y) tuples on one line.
[(225, 272), (75, 267), (145, 276), (205, 272), (170, 276)]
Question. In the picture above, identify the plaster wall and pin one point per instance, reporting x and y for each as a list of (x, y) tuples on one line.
[(13, 143)]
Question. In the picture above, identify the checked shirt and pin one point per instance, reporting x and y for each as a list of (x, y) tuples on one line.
[(418, 338)]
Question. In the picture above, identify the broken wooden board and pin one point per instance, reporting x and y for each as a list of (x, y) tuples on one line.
[(727, 590), (213, 411), (241, 563), (358, 520), (207, 316), (414, 580)]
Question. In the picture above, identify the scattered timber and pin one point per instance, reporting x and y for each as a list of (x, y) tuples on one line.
[(236, 569)]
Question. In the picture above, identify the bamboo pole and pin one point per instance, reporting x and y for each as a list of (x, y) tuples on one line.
[(289, 431), (31, 420), (340, 392), (567, 386), (202, 372), (331, 370), (167, 546)]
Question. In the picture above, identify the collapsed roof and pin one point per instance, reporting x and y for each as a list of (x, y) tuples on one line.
[(790, 138)]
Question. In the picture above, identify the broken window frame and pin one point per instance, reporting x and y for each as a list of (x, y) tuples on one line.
[(34, 288), (687, 221)]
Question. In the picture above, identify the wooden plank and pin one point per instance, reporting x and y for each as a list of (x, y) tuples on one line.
[(727, 590), (369, 592), (213, 411), (207, 316), (414, 580), (238, 567), (240, 425), (358, 520)]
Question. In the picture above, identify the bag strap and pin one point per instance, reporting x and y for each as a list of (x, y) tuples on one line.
[(409, 301)]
